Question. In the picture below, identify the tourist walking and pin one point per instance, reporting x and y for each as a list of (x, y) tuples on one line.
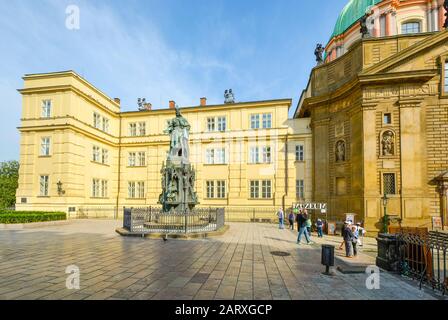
[(291, 220), (308, 223), (301, 225), (348, 239), (281, 218), (319, 227), (354, 241), (360, 233)]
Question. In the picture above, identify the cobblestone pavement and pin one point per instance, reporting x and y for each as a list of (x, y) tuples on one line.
[(238, 265)]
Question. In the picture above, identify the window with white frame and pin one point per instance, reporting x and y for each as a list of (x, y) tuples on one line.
[(266, 189), (104, 156), (99, 188), (300, 152), (255, 121), (96, 154), (267, 120), (220, 189), (254, 155), (410, 27), (383, 25), (97, 120), (222, 124), (254, 189), (45, 146), (266, 154), (142, 129), (105, 125), (141, 159), (215, 156), (43, 186), (132, 159), (133, 129), (300, 189), (210, 186), (211, 124), (136, 189), (46, 108)]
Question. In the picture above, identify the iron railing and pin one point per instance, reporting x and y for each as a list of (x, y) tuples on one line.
[(423, 256), (154, 220)]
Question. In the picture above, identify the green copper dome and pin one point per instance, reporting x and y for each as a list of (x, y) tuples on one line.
[(351, 13)]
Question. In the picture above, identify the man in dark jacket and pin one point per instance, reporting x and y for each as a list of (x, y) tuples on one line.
[(301, 225), (348, 239)]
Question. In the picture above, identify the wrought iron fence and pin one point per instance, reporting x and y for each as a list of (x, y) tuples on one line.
[(423, 256), (153, 220)]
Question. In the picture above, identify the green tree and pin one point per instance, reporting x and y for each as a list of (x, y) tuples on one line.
[(9, 181)]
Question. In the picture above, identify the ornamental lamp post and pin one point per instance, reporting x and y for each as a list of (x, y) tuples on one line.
[(385, 200)]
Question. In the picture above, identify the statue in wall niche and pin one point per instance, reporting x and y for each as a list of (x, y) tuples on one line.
[(318, 52), (445, 6), (340, 151), (387, 143)]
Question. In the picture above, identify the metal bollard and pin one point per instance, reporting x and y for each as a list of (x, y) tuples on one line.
[(327, 258)]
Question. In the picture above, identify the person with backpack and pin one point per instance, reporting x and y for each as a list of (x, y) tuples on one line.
[(301, 225)]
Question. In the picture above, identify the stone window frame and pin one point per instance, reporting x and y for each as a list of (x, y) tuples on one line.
[(416, 19), (387, 125), (380, 139), (395, 173), (443, 61), (336, 191)]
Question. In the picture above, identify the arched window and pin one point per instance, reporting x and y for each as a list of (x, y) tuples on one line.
[(411, 27)]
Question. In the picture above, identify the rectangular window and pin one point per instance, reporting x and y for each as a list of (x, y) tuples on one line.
[(222, 124), (255, 121), (96, 120), (95, 188), (221, 189), (141, 189), (131, 159), (210, 156), (300, 152), (220, 156), (105, 125), (300, 189), (142, 159), (132, 129), (383, 25), (210, 124), (45, 146), (267, 121), (142, 128), (103, 188), (254, 189), (210, 189), (387, 118), (104, 156), (254, 155), (266, 189), (131, 190), (46, 108), (266, 154), (43, 184), (446, 77), (389, 183), (410, 27), (96, 154)]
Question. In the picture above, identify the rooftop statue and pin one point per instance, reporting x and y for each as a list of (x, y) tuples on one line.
[(318, 53), (364, 29), (229, 97)]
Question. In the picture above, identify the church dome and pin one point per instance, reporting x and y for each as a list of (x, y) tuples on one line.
[(351, 13)]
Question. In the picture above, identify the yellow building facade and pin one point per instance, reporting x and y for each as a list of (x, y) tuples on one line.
[(80, 154)]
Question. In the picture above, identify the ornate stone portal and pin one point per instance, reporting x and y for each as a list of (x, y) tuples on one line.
[(178, 175)]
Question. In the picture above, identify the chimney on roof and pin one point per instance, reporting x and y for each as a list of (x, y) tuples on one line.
[(117, 100), (172, 104), (203, 102)]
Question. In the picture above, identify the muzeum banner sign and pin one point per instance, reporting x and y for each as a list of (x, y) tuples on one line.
[(310, 206)]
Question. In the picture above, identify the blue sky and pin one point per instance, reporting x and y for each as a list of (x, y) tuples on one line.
[(162, 49)]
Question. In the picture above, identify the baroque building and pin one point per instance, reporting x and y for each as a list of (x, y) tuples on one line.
[(379, 113), (80, 154)]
